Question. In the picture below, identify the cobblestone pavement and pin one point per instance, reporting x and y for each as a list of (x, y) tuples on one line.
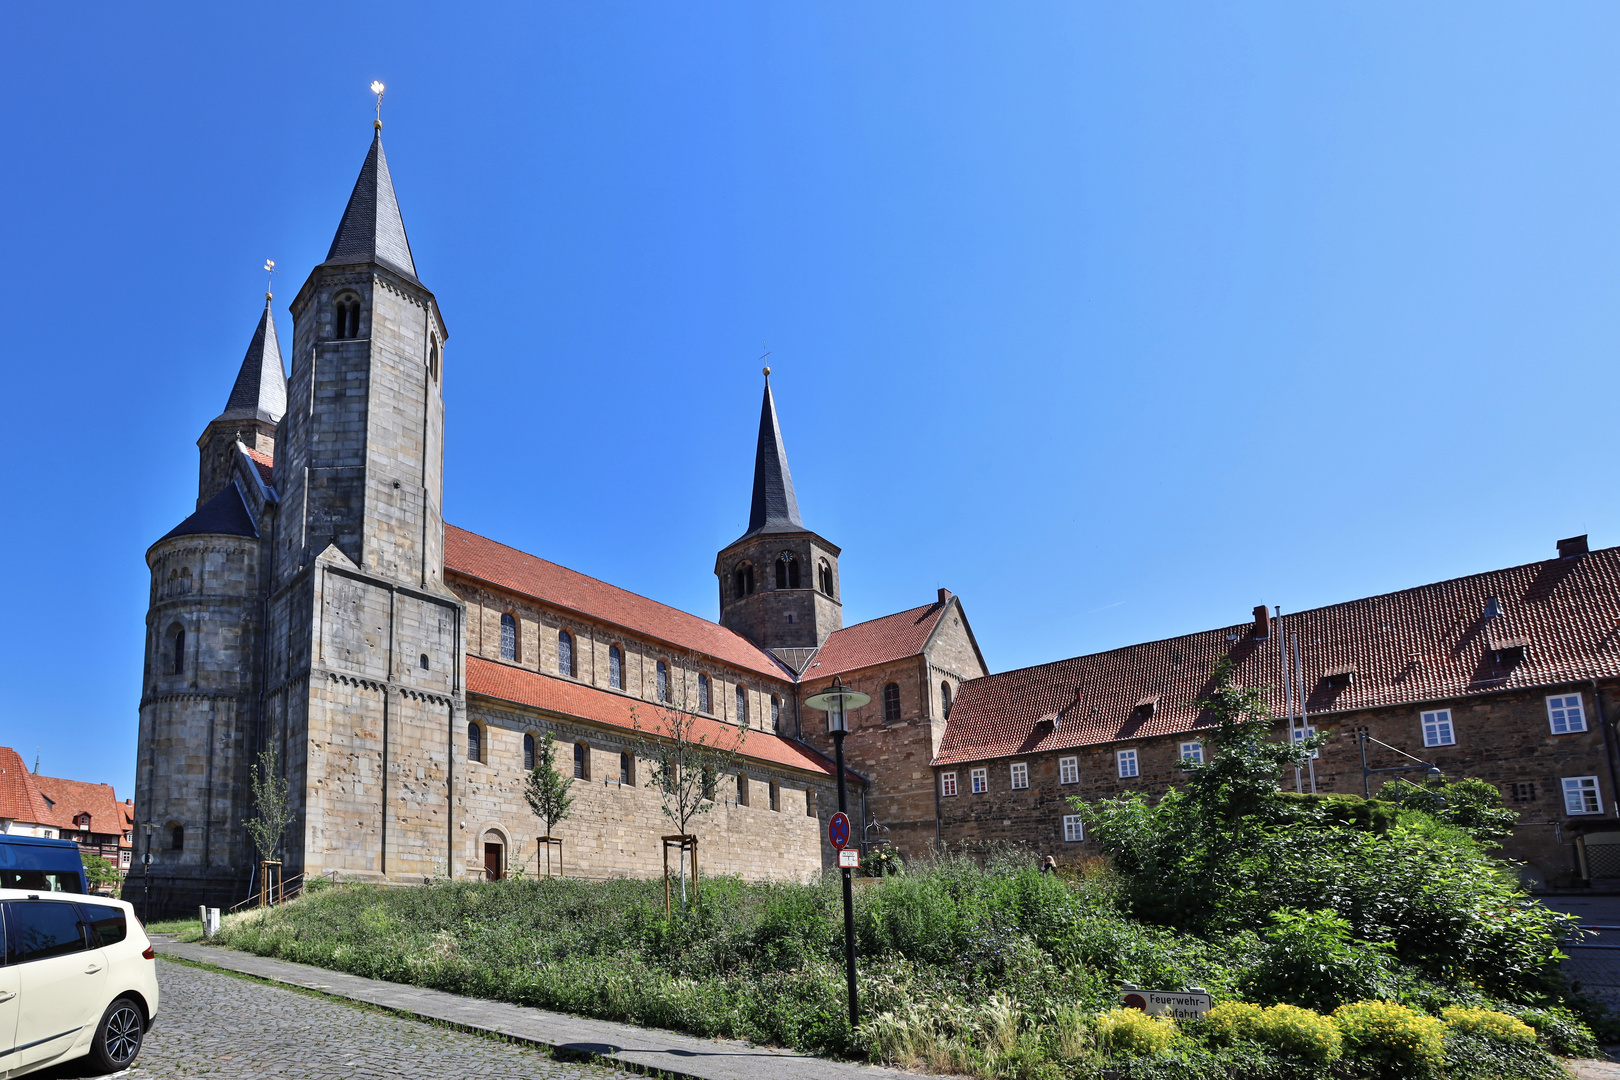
[(220, 1026)]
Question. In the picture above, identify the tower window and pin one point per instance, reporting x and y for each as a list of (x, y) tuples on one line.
[(776, 714), (177, 838), (663, 681), (423, 662), (475, 742), (565, 653), (616, 667), (508, 636), (177, 651), (744, 580), (582, 762), (891, 703), (346, 316), (787, 571), (433, 360), (742, 704), (945, 699), (703, 694), (528, 752), (825, 574)]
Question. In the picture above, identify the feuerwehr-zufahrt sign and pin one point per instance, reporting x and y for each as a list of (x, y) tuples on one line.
[(1180, 1004)]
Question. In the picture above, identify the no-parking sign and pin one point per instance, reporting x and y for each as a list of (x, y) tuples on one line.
[(838, 830)]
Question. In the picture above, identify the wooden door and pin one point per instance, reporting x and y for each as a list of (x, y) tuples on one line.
[(493, 870)]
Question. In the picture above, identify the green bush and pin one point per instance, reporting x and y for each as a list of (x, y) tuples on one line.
[(1310, 958), (1488, 1024), (1133, 1033), (1394, 1042), (1298, 1033)]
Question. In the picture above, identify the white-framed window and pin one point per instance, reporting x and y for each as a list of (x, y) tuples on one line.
[(1565, 714), (1068, 770), (947, 783), (981, 781), (1192, 752), (1020, 775), (1437, 728), (1581, 795), (1074, 830), (1303, 733), (1127, 763)]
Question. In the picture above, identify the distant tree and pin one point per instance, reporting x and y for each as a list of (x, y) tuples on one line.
[(546, 789), (99, 871)]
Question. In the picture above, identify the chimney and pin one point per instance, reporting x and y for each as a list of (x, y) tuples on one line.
[(1262, 622), (1575, 545), (944, 595)]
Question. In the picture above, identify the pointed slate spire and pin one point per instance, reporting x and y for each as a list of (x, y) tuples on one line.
[(371, 229), (775, 507), (260, 392)]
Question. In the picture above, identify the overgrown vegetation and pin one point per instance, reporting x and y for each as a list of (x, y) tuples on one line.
[(1342, 939)]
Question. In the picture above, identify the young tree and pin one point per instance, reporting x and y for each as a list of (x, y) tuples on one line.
[(272, 804), (686, 753), (99, 871), (547, 789)]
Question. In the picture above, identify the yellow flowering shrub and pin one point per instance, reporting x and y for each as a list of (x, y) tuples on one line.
[(1303, 1033), (1133, 1033), (1396, 1042), (1488, 1023)]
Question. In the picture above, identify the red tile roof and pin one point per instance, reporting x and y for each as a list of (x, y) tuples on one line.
[(474, 556), (70, 798), (265, 464), (877, 641), (565, 698), (1424, 644), (20, 797)]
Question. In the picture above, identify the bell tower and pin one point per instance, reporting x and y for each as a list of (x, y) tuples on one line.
[(779, 582)]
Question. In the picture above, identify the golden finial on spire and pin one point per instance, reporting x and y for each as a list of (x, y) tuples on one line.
[(377, 88), (269, 271), (765, 355)]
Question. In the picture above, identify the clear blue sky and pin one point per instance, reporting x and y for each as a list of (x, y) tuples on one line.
[(1116, 319)]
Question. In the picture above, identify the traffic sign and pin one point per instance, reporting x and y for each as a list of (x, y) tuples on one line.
[(1182, 1005), (838, 830), (849, 858)]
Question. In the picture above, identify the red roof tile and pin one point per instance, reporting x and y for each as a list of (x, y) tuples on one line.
[(20, 797), (877, 641), (1424, 644), (70, 798), (474, 556), (265, 464), (507, 683)]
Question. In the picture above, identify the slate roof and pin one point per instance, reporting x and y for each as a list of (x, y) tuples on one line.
[(223, 515), (70, 798), (566, 698), (372, 229), (1429, 643), (470, 555), (20, 797), (877, 641), (260, 390), (775, 507)]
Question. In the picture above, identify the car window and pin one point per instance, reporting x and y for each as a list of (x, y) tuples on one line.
[(41, 929), (41, 880), (106, 923)]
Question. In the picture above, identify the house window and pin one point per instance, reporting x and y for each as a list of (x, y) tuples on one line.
[(744, 580), (1437, 728), (177, 837), (177, 654), (826, 577), (82, 822), (1192, 752), (475, 742), (742, 704), (663, 681), (528, 752), (776, 713), (1074, 830), (1068, 770), (809, 802), (1127, 763), (1020, 775), (582, 762), (703, 694), (947, 783), (776, 796), (616, 667), (1565, 714), (508, 637), (565, 653), (1303, 733), (787, 571), (891, 703), (981, 781), (1581, 795), (742, 789), (1523, 793), (945, 699)]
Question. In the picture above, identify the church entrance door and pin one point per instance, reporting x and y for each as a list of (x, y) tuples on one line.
[(493, 864)]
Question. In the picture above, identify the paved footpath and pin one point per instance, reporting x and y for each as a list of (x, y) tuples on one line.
[(613, 1044)]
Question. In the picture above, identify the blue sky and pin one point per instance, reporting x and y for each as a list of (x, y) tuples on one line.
[(1117, 320)]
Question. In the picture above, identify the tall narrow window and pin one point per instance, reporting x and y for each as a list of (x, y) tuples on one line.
[(945, 699), (177, 646), (616, 667), (627, 767), (825, 574), (742, 704), (565, 653), (787, 571), (809, 802), (475, 742), (582, 762), (528, 752), (708, 782), (508, 637), (776, 796), (703, 694), (776, 714), (177, 838), (891, 703), (981, 780), (663, 681), (742, 789), (744, 580), (433, 360), (346, 316)]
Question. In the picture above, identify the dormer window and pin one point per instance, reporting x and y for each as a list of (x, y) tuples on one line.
[(346, 316)]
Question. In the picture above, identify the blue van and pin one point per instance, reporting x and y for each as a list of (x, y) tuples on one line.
[(32, 862)]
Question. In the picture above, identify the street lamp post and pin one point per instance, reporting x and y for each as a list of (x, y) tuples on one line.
[(146, 875), (834, 701)]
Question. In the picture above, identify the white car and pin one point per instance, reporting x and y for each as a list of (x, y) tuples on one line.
[(78, 978)]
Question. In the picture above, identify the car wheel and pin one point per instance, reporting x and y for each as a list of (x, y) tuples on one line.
[(118, 1036)]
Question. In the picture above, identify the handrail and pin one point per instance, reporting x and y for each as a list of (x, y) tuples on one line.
[(286, 890)]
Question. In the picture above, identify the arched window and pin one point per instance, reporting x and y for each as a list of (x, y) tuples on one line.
[(703, 694), (708, 782), (825, 574), (744, 579), (565, 653), (177, 650), (177, 838), (891, 703), (346, 316), (528, 752), (627, 768), (742, 704), (433, 360), (508, 636), (787, 571), (423, 662), (663, 681), (776, 796), (776, 714), (742, 789), (582, 762), (810, 802), (616, 667), (945, 698), (475, 742)]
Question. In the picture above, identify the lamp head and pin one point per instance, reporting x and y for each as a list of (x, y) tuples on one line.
[(835, 701)]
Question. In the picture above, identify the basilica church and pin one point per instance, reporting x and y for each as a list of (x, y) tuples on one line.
[(405, 670)]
